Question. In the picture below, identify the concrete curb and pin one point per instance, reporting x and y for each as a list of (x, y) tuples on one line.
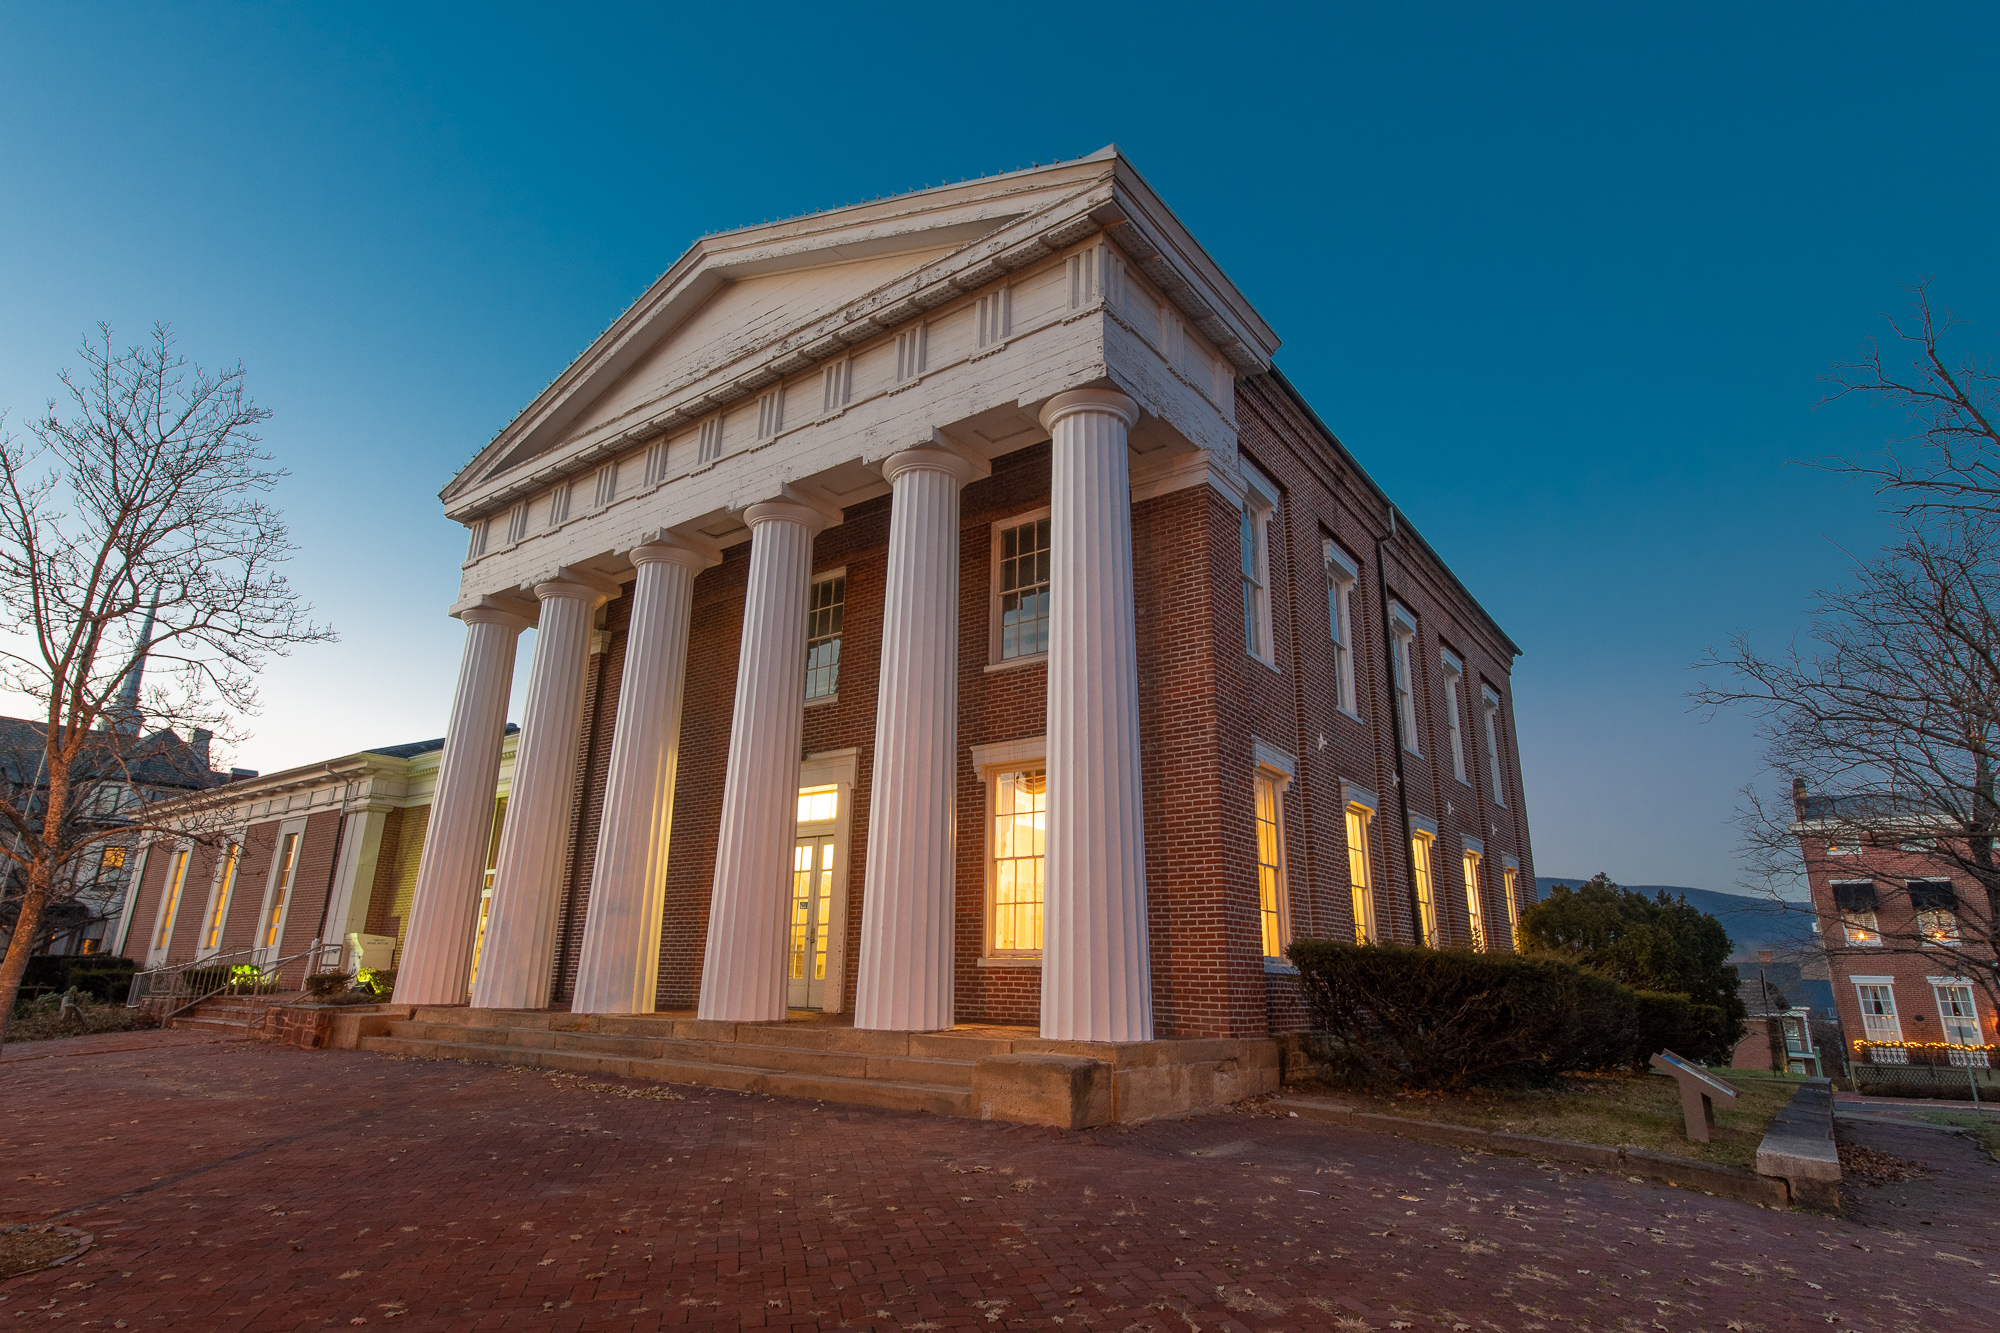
[(1798, 1147), (1726, 1182)]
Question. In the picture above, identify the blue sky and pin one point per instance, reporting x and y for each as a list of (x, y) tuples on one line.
[(1562, 277)]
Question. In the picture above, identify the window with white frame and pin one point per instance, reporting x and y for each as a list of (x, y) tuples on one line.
[(1268, 782), (1854, 899), (1019, 800), (1957, 1011), (1422, 841), (225, 884), (1343, 574), (1021, 588), (1936, 905), (1489, 707), (170, 899), (824, 613), (281, 890), (1475, 906), (1510, 883), (1454, 681), (1878, 1010), (1404, 626), (1360, 884), (1260, 502)]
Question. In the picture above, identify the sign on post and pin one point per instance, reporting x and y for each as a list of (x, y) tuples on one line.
[(1698, 1093)]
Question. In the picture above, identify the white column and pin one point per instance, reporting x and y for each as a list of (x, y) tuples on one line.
[(519, 952), (618, 970), (444, 909), (905, 979), (1096, 975), (742, 971)]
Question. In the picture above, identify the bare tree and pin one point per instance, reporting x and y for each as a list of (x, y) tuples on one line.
[(133, 530), (1888, 727)]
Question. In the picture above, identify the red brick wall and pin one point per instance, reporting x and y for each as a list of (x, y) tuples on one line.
[(191, 917), (600, 714), (244, 925), (319, 848), (139, 930)]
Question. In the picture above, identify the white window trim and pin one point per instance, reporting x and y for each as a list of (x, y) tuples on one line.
[(1404, 626), (1489, 706), (157, 948), (990, 761), (265, 953), (1260, 505), (1278, 767), (1938, 984), (1895, 1008), (1454, 715), (1343, 578), (1511, 865), (1475, 892), (819, 577), (995, 662), (234, 843), (832, 768)]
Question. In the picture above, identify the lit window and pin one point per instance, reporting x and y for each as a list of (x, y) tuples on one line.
[(1420, 875), (1358, 882), (1254, 538), (1489, 706), (1023, 585), (212, 938), (176, 874), (1454, 680), (1838, 845), (1270, 865), (1958, 1012), (1341, 576), (1937, 910), (281, 889), (1510, 882), (1020, 825), (817, 805), (812, 908), (1404, 626), (110, 860), (1475, 909), (1855, 901), (823, 618), (1878, 1011)]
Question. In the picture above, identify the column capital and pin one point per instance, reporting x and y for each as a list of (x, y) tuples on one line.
[(571, 582), (1089, 400), (927, 459), (785, 511), (664, 547), (510, 612)]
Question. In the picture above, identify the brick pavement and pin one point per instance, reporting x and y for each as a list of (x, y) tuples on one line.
[(250, 1187)]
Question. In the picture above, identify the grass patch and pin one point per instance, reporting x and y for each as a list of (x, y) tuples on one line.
[(1643, 1110), (40, 1020), (1985, 1129)]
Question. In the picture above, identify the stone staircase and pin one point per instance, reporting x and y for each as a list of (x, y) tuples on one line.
[(238, 1015), (805, 1058)]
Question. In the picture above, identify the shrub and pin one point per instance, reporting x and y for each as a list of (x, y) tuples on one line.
[(42, 1019), (325, 985), (381, 980), (105, 976), (1701, 1032)]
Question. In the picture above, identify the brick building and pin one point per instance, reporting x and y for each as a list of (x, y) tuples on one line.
[(947, 612), (1909, 941)]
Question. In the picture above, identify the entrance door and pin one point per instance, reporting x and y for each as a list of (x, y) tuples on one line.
[(812, 915)]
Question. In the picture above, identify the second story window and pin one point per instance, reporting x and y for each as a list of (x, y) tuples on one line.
[(825, 612), (1489, 708), (1023, 588), (1260, 503), (1937, 910), (1855, 901), (1342, 574), (1454, 681), (1404, 626)]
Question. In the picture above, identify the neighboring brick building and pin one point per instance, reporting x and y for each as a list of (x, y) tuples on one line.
[(287, 861), (1908, 937), (947, 612)]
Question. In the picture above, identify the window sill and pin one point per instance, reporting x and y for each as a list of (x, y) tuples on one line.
[(833, 698), (1350, 715), (1262, 660), (1279, 967), (1009, 663), (1014, 960)]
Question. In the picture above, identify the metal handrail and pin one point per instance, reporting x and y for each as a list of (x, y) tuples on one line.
[(185, 985)]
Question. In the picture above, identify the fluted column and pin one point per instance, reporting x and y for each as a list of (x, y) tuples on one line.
[(742, 971), (519, 953), (1096, 975), (444, 909), (905, 978), (618, 971)]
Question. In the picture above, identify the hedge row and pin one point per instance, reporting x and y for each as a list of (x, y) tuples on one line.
[(1390, 1015), (107, 977)]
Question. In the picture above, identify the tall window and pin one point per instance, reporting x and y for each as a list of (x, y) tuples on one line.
[(1855, 901), (1937, 910), (1489, 707), (1420, 876), (1454, 681), (1358, 884), (1341, 576), (281, 889), (1020, 825), (1260, 502), (212, 938), (1024, 589), (1510, 881), (1475, 908), (1958, 1013), (176, 876), (1404, 626), (823, 617), (1878, 1011), (1270, 866)]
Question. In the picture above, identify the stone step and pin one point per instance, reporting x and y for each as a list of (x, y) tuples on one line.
[(207, 1023), (716, 1072)]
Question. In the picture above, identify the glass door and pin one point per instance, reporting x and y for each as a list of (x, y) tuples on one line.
[(812, 915)]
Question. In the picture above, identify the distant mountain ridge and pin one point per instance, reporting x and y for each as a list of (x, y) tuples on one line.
[(1753, 924)]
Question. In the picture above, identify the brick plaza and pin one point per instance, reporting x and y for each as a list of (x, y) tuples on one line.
[(234, 1185)]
